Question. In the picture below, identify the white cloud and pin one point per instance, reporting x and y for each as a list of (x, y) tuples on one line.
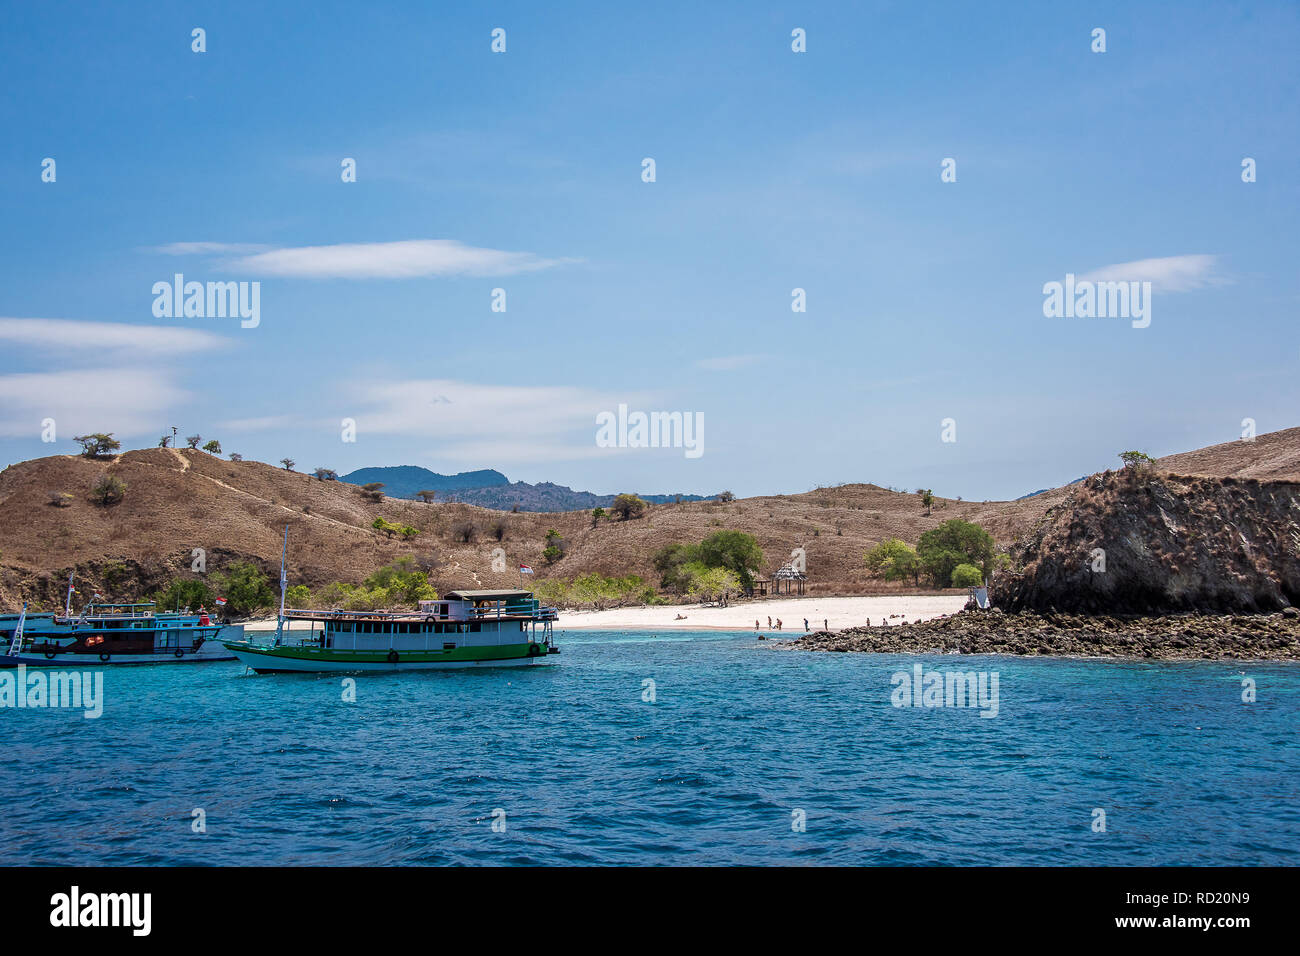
[(407, 259), (208, 248), (124, 401), (490, 423), (107, 339), (1169, 274)]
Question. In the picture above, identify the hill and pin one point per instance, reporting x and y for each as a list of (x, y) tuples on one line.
[(1147, 542), (491, 489), (1274, 456), (404, 481), (181, 500)]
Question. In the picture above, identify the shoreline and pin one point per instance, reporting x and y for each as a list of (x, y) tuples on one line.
[(842, 613), (1191, 637)]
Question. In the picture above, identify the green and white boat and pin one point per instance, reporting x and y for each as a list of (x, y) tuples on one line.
[(475, 628), (463, 629)]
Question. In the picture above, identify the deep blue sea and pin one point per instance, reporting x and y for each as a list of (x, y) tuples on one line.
[(739, 740)]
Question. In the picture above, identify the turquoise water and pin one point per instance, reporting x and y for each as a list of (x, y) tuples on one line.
[(739, 737)]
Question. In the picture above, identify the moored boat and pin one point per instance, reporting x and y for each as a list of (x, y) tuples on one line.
[(469, 628), (114, 634)]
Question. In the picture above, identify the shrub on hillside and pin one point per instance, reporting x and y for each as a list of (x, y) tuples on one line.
[(628, 506), (108, 490)]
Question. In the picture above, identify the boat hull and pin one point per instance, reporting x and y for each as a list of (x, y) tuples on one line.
[(266, 659), (212, 649)]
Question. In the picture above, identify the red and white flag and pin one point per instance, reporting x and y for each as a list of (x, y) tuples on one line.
[(525, 569), (221, 602)]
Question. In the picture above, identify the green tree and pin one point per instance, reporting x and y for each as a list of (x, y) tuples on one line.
[(927, 499), (427, 496), (596, 515), (734, 550), (894, 560), (707, 584), (212, 447), (298, 596), (670, 560), (952, 543), (193, 440), (1138, 461), (246, 588), (288, 463), (967, 576), (97, 444), (554, 549), (183, 593), (401, 583), (374, 490)]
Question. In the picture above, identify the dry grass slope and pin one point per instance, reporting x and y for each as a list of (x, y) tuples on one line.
[(179, 500)]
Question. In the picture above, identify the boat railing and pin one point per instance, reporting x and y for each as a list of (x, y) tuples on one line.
[(528, 609)]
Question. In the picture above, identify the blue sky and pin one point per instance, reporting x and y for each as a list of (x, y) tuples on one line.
[(775, 170)]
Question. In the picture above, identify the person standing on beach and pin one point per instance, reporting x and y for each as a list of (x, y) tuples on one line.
[(805, 625), (769, 622), (826, 624), (756, 625)]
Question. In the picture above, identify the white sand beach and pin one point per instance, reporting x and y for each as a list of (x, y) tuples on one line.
[(839, 612)]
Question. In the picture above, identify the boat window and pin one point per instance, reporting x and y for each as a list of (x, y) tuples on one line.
[(449, 646)]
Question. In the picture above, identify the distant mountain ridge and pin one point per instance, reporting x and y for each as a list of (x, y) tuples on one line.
[(489, 488), (404, 481)]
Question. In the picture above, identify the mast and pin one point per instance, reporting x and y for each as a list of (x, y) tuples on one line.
[(284, 585), (67, 608)]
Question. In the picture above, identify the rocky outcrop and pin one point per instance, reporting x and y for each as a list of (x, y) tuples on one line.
[(1132, 542), (1183, 637)]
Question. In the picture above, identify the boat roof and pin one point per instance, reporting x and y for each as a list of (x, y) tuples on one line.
[(487, 595)]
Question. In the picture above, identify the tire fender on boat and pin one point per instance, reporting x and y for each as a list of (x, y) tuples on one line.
[(392, 657), (104, 656), (180, 652), (49, 654)]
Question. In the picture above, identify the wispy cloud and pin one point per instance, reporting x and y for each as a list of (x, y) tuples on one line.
[(406, 259), (209, 248), (1168, 274), (475, 422), (108, 340), (125, 401), (726, 363)]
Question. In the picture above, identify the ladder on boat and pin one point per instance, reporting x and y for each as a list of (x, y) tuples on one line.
[(16, 645)]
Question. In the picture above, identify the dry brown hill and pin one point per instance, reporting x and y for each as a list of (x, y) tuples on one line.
[(1139, 541), (179, 500), (1271, 457)]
